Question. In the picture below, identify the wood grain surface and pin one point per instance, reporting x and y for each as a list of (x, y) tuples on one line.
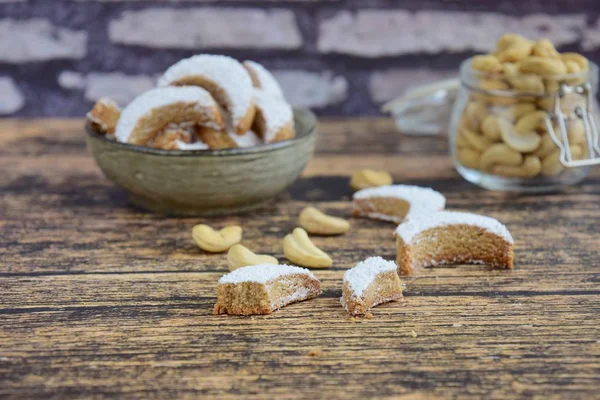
[(99, 299)]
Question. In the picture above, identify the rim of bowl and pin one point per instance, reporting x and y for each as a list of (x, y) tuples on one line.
[(311, 121)]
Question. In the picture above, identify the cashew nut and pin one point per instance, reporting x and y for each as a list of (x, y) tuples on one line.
[(542, 66), (461, 141), (552, 86), (532, 121), (499, 153), (506, 40), (531, 167), (544, 48), (577, 151), (518, 110), (576, 57), (547, 146), (476, 111), (510, 69), (527, 83), (490, 84), (580, 154), (475, 140), (469, 158), (513, 48), (576, 131), (493, 84), (486, 63), (551, 165), (298, 248), (239, 256), (216, 242), (490, 128), (366, 178), (546, 103), (522, 142), (318, 223), (573, 68)]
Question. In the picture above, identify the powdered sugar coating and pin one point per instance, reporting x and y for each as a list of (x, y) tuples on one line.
[(267, 81), (263, 273), (422, 200), (364, 273), (300, 294), (225, 72), (156, 98), (276, 112), (409, 229), (199, 145), (248, 139)]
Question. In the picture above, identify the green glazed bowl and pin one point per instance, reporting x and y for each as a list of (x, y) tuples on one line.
[(205, 182)]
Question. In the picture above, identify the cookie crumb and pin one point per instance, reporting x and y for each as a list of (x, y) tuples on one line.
[(413, 334), (369, 315), (457, 325), (315, 353)]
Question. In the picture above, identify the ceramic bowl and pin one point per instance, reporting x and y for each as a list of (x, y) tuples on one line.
[(205, 182)]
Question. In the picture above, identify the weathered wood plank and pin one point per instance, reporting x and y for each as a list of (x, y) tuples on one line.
[(98, 299)]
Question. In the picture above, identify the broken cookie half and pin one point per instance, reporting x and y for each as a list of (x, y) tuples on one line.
[(371, 282), (262, 289), (450, 237)]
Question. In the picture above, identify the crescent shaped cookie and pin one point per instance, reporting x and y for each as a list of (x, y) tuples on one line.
[(226, 80), (103, 117), (450, 237), (149, 114), (262, 78), (396, 202), (264, 288), (274, 120)]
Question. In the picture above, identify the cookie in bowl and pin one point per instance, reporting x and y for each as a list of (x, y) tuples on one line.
[(210, 139), (205, 102)]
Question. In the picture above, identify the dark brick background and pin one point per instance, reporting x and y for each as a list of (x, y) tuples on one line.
[(357, 90)]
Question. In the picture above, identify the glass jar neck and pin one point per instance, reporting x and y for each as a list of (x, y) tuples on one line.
[(488, 81)]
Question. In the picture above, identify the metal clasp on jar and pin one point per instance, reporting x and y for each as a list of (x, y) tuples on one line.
[(586, 114)]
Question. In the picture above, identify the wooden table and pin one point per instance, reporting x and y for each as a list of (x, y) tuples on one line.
[(99, 299)]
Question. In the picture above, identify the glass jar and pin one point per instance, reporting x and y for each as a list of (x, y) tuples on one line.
[(538, 138)]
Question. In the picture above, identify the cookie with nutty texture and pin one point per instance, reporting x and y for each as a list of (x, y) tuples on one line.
[(274, 120), (371, 282), (149, 114), (224, 77), (450, 237), (262, 289), (396, 202), (103, 117)]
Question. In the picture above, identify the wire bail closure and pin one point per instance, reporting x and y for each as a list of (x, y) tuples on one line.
[(586, 115)]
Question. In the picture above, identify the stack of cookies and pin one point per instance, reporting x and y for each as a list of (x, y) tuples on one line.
[(202, 102)]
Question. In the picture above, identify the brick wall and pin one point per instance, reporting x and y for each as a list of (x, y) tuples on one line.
[(339, 57)]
